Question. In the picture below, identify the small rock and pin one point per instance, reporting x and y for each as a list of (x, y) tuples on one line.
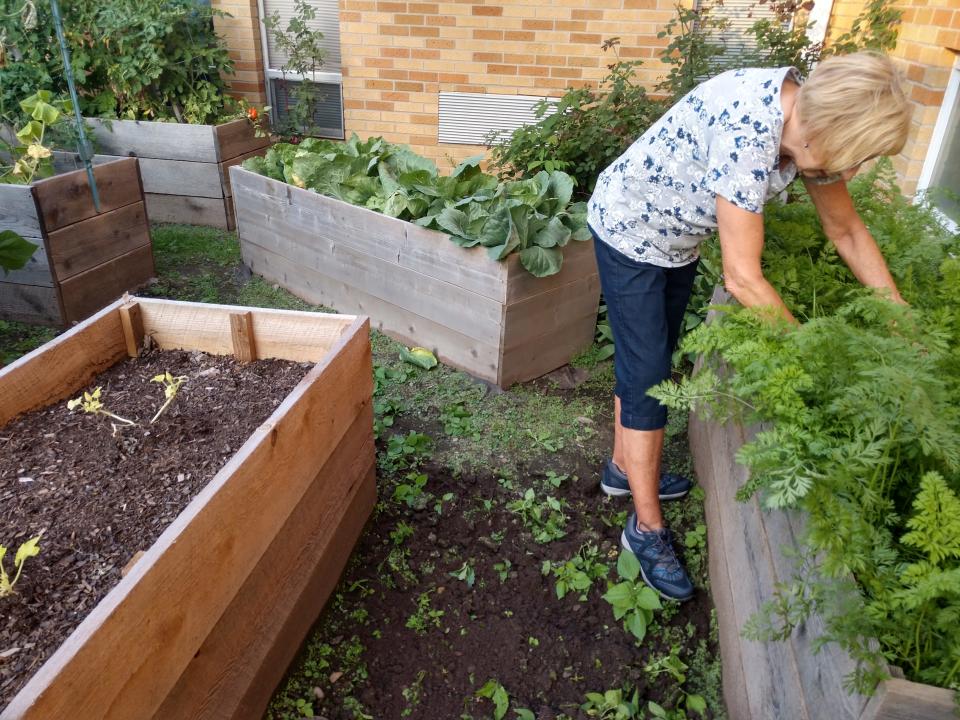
[(318, 693), (25, 479), (488, 543), (335, 676), (583, 420), (208, 372)]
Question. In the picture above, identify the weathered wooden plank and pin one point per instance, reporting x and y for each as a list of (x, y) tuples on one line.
[(286, 334), (429, 297), (237, 137), (18, 210), (244, 341), (448, 345), (86, 244), (161, 176), (36, 271), (62, 366), (29, 303), (187, 209), (66, 199), (227, 164), (552, 312), (131, 318), (579, 260), (898, 699), (538, 354), (134, 646), (170, 141), (87, 292), (408, 245), (245, 656)]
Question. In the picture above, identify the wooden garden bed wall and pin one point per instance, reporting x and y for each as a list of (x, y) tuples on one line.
[(184, 167), (492, 319), (85, 258), (210, 616), (747, 559)]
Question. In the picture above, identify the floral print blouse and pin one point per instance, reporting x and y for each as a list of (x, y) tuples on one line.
[(657, 202)]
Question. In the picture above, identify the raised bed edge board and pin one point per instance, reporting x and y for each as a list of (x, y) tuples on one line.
[(85, 259), (492, 319), (221, 631), (745, 541)]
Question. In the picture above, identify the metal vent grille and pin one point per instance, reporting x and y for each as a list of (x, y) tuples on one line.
[(471, 118), (328, 116), (326, 20)]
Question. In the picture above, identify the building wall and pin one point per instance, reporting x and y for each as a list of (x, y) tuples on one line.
[(242, 33), (927, 47), (399, 55)]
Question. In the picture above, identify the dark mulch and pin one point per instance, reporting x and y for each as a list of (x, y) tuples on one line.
[(99, 496)]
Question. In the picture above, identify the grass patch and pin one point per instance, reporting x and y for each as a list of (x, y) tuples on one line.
[(18, 339)]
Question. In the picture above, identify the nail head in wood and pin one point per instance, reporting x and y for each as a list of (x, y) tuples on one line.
[(244, 344)]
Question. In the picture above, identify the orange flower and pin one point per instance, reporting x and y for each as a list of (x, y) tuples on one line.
[(252, 113)]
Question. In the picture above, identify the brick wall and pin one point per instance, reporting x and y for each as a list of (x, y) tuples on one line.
[(399, 55), (927, 48), (242, 34)]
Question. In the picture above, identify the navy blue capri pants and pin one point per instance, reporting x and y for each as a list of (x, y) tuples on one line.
[(645, 306)]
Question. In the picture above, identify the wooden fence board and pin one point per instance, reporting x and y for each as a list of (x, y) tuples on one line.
[(448, 345), (286, 334), (898, 699), (553, 312), (171, 141), (579, 260), (36, 271), (225, 166), (187, 209), (243, 659), (136, 616), (29, 303), (237, 138), (437, 300), (86, 244), (161, 176), (90, 290), (67, 363), (67, 199), (18, 211)]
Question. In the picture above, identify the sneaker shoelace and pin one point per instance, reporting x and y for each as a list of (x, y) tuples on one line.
[(667, 556)]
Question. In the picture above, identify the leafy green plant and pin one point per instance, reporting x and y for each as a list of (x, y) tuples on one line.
[(28, 549), (498, 695), (303, 47), (15, 251), (425, 615), (614, 704), (542, 516), (533, 217), (419, 356), (503, 569), (543, 438), (406, 451), (633, 601), (385, 411), (412, 493), (30, 158), (465, 574), (458, 421), (681, 702), (578, 573)]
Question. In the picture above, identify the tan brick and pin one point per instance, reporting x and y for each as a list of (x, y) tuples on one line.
[(587, 14), (378, 105), (425, 8), (424, 54), (394, 30), (488, 57), (395, 7), (587, 38), (377, 84), (346, 16), (408, 19), (487, 10), (519, 36), (566, 72), (484, 34), (395, 52), (422, 76), (452, 78), (378, 62), (440, 44), (534, 70), (394, 74), (502, 69), (926, 96), (571, 25), (424, 32), (537, 24), (551, 59), (425, 119), (408, 86), (442, 20), (519, 59)]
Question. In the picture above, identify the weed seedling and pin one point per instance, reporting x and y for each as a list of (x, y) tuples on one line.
[(632, 601), (171, 385), (29, 549), (497, 694), (612, 705), (503, 569), (578, 573), (445, 498), (544, 518), (682, 701), (545, 440), (458, 421), (400, 533), (424, 615), (466, 574), (90, 404), (411, 694), (411, 492), (406, 451)]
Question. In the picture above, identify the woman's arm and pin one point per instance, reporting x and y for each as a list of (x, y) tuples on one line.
[(853, 241), (741, 245)]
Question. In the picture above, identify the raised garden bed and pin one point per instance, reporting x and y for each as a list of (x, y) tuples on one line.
[(184, 167), (750, 554), (492, 319), (212, 613), (85, 258)]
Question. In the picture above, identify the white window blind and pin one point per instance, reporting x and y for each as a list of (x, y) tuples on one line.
[(740, 16), (471, 118), (327, 21)]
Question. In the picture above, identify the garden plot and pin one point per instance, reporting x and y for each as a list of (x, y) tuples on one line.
[(164, 534)]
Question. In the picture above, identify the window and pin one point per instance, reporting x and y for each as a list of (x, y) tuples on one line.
[(940, 177), (329, 113)]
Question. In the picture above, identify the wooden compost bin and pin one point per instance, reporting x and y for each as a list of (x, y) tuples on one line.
[(184, 167), (208, 619), (85, 258), (492, 319), (748, 555)]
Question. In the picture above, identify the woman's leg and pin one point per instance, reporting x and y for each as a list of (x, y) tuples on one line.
[(638, 453)]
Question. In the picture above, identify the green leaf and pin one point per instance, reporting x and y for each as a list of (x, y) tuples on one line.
[(656, 710), (697, 704), (31, 132), (15, 251), (628, 566), (28, 549), (648, 599), (496, 229), (637, 625), (453, 221), (524, 714), (581, 234), (540, 261), (561, 188), (554, 234), (501, 701), (421, 357)]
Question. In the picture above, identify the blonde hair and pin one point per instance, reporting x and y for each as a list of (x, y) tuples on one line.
[(853, 108)]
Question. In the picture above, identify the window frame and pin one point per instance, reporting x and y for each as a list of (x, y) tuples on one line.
[(937, 141)]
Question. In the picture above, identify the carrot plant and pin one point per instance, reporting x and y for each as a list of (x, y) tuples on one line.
[(861, 413)]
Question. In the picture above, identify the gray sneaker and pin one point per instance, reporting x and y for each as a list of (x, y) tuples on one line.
[(613, 482), (659, 565)]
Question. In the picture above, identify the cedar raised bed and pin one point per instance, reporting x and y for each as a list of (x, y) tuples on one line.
[(85, 258), (184, 167), (749, 555), (492, 319), (207, 620)]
